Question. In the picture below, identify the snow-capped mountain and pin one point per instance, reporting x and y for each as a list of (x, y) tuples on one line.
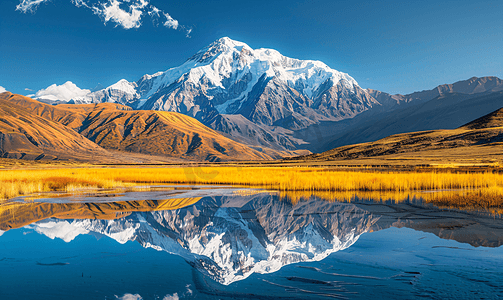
[(123, 92), (230, 238), (230, 78)]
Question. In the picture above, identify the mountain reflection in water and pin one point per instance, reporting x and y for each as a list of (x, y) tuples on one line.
[(228, 238)]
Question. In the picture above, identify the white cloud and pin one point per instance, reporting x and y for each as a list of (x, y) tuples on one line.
[(64, 92), (29, 5), (130, 297), (80, 3), (125, 13), (2, 89), (113, 11), (171, 297), (170, 22), (154, 11)]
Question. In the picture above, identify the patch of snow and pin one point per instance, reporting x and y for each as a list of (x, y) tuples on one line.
[(124, 86), (59, 229)]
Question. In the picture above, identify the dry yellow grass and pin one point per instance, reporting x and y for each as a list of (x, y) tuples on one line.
[(484, 199), (307, 180), (23, 182)]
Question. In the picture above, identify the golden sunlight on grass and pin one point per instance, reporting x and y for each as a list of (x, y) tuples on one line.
[(484, 188)]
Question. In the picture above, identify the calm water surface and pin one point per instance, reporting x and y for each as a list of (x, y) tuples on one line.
[(224, 243)]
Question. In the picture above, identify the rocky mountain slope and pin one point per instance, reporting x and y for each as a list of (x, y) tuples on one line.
[(163, 133), (95, 127), (471, 86)]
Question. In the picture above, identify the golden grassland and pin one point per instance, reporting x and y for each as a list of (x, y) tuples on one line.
[(476, 189), (484, 199)]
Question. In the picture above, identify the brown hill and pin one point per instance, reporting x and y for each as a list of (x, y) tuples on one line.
[(161, 133), (28, 136), (484, 132), (67, 115), (117, 127), (494, 119)]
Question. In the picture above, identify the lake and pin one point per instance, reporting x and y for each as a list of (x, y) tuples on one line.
[(204, 242)]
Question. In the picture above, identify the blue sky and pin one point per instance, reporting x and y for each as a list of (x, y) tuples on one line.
[(393, 46)]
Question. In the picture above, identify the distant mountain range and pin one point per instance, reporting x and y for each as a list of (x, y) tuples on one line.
[(253, 96), (445, 107)]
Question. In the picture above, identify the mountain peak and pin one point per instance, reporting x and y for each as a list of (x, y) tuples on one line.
[(222, 45), (230, 42)]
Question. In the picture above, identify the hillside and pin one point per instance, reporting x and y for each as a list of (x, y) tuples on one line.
[(485, 132), (24, 135), (494, 119), (162, 133), (115, 127)]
